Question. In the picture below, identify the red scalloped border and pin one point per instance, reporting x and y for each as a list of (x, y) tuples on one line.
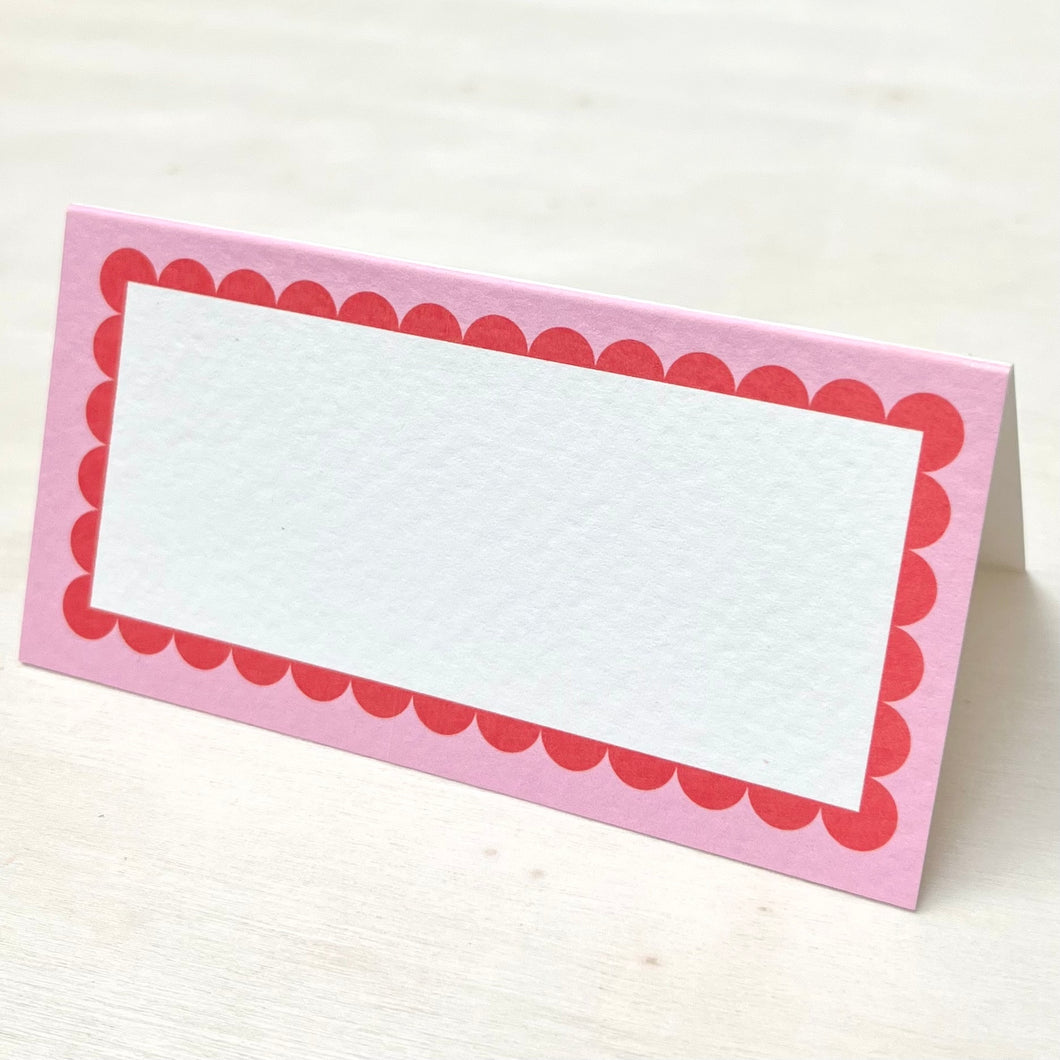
[(869, 828)]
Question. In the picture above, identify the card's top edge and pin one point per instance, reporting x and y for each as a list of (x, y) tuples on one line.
[(594, 296)]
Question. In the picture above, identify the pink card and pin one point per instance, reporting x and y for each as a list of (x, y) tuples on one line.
[(700, 577)]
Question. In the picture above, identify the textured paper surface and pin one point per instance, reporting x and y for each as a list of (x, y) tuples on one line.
[(695, 576)]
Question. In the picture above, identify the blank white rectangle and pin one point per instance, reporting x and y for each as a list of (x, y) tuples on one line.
[(700, 577)]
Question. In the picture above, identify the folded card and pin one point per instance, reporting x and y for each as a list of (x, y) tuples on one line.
[(700, 577)]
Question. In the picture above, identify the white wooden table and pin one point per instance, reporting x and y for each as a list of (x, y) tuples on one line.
[(176, 886)]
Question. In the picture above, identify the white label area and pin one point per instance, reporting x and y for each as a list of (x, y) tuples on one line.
[(704, 578)]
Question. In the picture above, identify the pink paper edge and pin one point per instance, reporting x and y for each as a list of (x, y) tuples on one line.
[(976, 388)]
